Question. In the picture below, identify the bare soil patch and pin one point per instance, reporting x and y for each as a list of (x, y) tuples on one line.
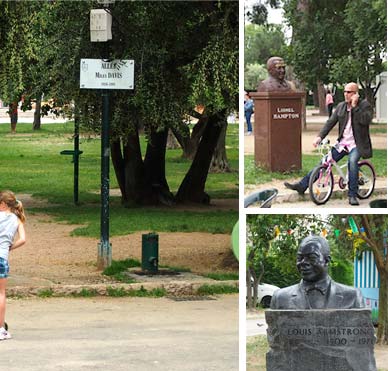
[(51, 255)]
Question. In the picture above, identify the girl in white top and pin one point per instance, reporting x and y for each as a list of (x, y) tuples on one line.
[(12, 220)]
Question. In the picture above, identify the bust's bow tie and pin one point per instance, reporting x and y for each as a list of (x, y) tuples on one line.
[(321, 289)]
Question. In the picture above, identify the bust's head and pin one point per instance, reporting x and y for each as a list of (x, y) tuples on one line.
[(276, 68), (313, 258)]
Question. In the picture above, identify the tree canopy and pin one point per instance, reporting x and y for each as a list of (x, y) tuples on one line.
[(186, 54)]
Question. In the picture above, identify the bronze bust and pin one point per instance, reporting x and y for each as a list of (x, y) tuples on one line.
[(316, 290), (276, 80)]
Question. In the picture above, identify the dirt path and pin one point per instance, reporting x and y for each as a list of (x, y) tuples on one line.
[(52, 256)]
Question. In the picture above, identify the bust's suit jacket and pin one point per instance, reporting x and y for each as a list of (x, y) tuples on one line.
[(340, 297)]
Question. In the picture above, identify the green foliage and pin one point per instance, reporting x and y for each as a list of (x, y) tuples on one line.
[(217, 289), (369, 42), (253, 74), (273, 241), (263, 42)]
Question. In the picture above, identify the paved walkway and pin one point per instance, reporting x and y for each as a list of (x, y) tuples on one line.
[(121, 334)]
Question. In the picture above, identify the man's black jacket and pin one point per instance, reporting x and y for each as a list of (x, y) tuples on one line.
[(361, 119)]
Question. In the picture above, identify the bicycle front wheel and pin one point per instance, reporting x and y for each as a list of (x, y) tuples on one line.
[(321, 185), (366, 179)]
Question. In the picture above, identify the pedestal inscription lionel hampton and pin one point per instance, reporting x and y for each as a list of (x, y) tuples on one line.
[(319, 324)]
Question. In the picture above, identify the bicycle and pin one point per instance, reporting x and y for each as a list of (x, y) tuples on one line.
[(321, 183)]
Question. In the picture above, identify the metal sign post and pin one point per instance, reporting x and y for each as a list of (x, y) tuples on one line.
[(104, 247), (105, 75)]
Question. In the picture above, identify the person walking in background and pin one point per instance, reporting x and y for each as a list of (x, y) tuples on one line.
[(12, 220), (248, 109), (329, 102), (354, 117)]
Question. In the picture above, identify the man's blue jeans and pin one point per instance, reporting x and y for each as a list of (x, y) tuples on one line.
[(354, 157)]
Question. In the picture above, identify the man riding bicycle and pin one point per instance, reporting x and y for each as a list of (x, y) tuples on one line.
[(354, 117)]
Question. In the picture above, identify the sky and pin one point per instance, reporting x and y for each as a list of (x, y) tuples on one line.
[(274, 15)]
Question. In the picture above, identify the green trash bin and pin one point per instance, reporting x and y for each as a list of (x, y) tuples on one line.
[(378, 204), (150, 252)]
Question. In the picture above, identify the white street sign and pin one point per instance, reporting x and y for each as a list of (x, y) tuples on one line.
[(101, 74)]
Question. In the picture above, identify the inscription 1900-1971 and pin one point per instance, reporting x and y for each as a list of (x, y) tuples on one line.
[(332, 336)]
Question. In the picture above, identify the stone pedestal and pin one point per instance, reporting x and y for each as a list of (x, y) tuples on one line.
[(320, 340), (278, 130)]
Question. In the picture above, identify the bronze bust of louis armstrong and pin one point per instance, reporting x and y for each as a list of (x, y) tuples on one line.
[(316, 290)]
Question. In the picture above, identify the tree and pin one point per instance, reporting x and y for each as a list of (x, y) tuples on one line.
[(186, 53), (318, 35), (323, 49), (263, 42), (375, 227), (253, 74), (16, 52), (274, 239), (367, 47)]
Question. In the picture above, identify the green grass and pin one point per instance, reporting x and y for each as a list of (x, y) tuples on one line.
[(118, 267), (86, 293), (223, 276), (31, 163), (257, 175), (45, 293), (257, 347), (142, 292), (124, 221), (38, 154), (217, 290)]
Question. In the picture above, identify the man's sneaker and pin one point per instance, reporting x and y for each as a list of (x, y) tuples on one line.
[(4, 334), (353, 201), (295, 187)]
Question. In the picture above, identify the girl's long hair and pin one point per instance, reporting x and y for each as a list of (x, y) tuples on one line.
[(15, 205)]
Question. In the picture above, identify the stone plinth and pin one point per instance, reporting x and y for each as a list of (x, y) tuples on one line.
[(320, 340), (278, 130)]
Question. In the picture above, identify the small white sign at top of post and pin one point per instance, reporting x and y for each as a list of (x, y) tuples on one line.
[(102, 74)]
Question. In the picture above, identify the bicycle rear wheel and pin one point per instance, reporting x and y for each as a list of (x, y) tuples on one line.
[(366, 179), (321, 185)]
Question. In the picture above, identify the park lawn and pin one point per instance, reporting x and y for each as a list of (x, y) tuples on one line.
[(257, 347), (257, 175), (31, 164)]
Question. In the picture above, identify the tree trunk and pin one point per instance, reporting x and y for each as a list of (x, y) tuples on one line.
[(192, 188), (219, 163), (37, 120), (155, 168), (382, 331), (315, 98), (129, 170), (189, 143), (321, 98), (172, 142), (13, 114), (249, 280)]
